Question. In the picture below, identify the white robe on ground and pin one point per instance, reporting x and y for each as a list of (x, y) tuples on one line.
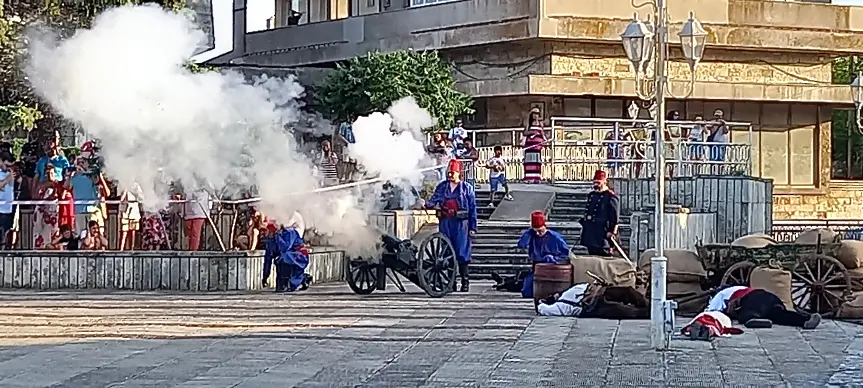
[(560, 309)]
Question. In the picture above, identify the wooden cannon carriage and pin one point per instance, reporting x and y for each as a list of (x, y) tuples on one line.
[(427, 260)]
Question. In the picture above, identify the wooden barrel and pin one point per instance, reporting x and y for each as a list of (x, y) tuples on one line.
[(550, 279)]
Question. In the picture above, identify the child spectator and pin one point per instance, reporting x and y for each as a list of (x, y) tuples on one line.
[(497, 176)]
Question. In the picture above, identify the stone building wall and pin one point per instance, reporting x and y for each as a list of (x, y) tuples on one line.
[(841, 201)]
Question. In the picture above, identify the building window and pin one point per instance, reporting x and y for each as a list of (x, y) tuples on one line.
[(420, 3), (846, 146), (370, 3)]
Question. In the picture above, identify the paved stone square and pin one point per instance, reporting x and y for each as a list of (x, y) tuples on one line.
[(329, 337)]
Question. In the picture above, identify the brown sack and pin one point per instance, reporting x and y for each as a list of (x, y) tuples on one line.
[(851, 309), (690, 298), (810, 237), (754, 241), (617, 271), (776, 281), (683, 266), (851, 254)]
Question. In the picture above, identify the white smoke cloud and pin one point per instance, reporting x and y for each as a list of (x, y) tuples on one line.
[(123, 81)]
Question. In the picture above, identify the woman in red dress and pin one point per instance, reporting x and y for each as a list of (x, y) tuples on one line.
[(50, 216)]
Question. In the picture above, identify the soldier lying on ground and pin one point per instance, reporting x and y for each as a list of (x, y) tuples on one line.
[(756, 308), (585, 300)]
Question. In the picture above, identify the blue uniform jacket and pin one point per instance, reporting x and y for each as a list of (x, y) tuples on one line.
[(286, 247), (549, 248), (454, 229)]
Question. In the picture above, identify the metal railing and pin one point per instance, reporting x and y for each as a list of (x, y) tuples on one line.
[(789, 230), (623, 148)]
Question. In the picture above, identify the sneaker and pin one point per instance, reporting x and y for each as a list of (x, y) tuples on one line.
[(758, 323), (508, 197), (812, 322), (490, 205)]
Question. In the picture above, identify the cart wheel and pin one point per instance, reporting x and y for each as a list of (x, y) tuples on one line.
[(738, 274), (436, 265), (362, 276), (819, 284)]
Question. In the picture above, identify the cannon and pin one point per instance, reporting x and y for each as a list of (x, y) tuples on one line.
[(427, 260)]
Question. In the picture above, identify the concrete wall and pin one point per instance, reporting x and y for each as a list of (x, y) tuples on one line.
[(742, 205), (148, 271)]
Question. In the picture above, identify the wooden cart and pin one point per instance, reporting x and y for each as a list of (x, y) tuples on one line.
[(819, 282)]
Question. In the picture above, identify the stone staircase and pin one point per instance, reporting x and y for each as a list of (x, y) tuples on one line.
[(494, 246), (568, 207), (483, 212)]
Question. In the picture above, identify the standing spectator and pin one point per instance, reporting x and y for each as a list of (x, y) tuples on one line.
[(438, 151), (696, 136), (55, 157), (719, 134), (457, 135), (85, 188), (497, 175), (93, 239), (7, 195), (155, 230), (130, 216), (196, 211), (615, 148), (342, 140), (532, 142), (46, 227), (327, 161)]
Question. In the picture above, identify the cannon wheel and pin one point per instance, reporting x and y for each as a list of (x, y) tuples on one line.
[(738, 274), (362, 276), (819, 284), (436, 265)]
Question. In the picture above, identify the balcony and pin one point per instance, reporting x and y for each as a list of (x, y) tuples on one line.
[(739, 25)]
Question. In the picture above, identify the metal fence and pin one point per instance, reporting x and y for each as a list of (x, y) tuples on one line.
[(789, 230), (577, 147)]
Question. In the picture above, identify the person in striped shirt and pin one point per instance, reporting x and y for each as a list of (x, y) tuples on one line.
[(327, 161)]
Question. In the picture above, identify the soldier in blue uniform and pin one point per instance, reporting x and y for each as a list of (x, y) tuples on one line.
[(455, 202), (599, 225)]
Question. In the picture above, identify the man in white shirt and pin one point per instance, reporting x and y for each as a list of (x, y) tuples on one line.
[(595, 301), (7, 195), (719, 133), (195, 212), (457, 135), (497, 177)]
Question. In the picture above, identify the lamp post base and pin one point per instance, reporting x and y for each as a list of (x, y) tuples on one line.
[(661, 310)]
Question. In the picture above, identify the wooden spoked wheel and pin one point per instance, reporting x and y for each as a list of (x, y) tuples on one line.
[(362, 276), (436, 265), (738, 274), (819, 284)]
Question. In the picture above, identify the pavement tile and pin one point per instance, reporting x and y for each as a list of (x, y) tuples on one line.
[(474, 340)]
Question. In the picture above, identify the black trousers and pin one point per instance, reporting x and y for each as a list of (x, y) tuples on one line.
[(620, 303), (761, 304), (594, 238), (463, 270)]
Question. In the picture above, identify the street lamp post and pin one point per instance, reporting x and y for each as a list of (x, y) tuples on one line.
[(857, 96), (640, 41)]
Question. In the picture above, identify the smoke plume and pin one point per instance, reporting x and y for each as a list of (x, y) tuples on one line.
[(124, 82)]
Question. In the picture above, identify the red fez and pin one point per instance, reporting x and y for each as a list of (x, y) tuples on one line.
[(454, 166), (537, 219), (599, 175), (271, 227)]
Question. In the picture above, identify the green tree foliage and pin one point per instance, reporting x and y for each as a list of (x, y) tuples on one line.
[(372, 82), (20, 109), (846, 139)]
